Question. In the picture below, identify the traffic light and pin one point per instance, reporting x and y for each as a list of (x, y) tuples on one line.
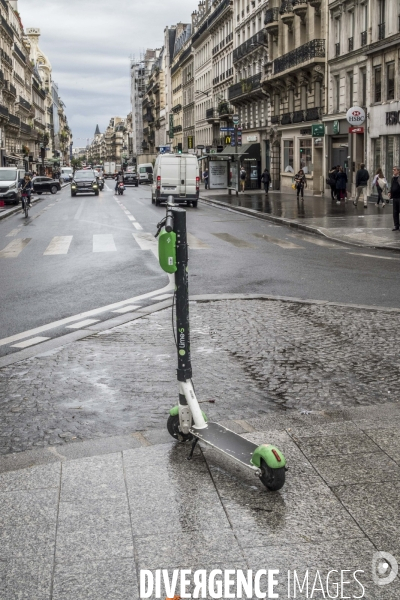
[(179, 148)]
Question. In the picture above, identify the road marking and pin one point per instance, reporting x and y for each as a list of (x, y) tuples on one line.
[(278, 242), (374, 256), (227, 237), (163, 297), (131, 217), (195, 243), (103, 243), (79, 211), (82, 324), (317, 241), (137, 226), (14, 232), (13, 249), (31, 342), (126, 309), (59, 245), (146, 241)]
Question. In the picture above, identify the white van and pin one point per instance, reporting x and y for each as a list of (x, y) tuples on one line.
[(176, 175), (146, 173), (9, 181), (66, 173)]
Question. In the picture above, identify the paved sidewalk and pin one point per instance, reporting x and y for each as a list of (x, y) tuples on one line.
[(85, 508), (369, 227)]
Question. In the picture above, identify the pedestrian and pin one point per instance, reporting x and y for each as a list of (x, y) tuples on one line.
[(205, 177), (243, 176), (380, 183), (341, 184), (394, 193), (266, 179), (300, 182), (332, 181), (362, 177)]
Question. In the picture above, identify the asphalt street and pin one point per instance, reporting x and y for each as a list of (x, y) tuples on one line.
[(79, 258)]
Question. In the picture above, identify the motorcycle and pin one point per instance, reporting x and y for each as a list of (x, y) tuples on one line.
[(120, 189)]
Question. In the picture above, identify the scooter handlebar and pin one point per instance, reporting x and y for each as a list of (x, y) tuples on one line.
[(169, 223)]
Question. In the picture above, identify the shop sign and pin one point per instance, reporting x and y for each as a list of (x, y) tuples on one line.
[(190, 142), (318, 130), (235, 119), (336, 127), (356, 129), (393, 117), (252, 138), (318, 142), (355, 115)]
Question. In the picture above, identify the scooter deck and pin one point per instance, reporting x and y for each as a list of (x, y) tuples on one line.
[(227, 442)]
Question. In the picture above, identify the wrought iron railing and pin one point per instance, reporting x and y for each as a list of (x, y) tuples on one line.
[(313, 114), (4, 111), (381, 31), (177, 108), (286, 7), (363, 38), (297, 2), (286, 118), (7, 28), (14, 120), (177, 128), (244, 87), (298, 116), (351, 44), (6, 58), (5, 4), (275, 120), (248, 46), (19, 53), (306, 52), (25, 103), (271, 15), (26, 128), (211, 113)]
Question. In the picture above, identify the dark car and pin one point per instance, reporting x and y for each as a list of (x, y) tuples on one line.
[(45, 184), (83, 182), (131, 178)]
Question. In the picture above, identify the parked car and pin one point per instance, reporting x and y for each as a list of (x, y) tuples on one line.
[(84, 181), (145, 173), (131, 178), (176, 175), (9, 180), (45, 184)]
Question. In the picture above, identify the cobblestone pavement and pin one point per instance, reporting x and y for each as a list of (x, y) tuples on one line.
[(251, 356)]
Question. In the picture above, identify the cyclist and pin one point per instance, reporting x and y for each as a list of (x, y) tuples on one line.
[(119, 179), (26, 187)]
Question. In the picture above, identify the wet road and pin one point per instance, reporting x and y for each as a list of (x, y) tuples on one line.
[(76, 255)]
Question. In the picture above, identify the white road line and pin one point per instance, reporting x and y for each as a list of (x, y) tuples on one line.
[(195, 243), (13, 249), (374, 256), (31, 342), (146, 241), (103, 243), (59, 245), (107, 188), (131, 217), (126, 309), (82, 324), (14, 232), (137, 226), (278, 242), (163, 297), (79, 211)]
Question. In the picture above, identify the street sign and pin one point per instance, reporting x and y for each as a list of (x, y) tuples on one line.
[(235, 119), (227, 129), (355, 116), (356, 129), (318, 130), (200, 147), (336, 127)]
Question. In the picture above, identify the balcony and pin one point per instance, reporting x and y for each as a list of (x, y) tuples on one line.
[(313, 114), (211, 115), (24, 104), (7, 28), (177, 108), (27, 129), (287, 14), (20, 54), (337, 49), (275, 120), (7, 59), (246, 90), (381, 31), (315, 49), (14, 121), (298, 116), (351, 44), (177, 129), (363, 38), (9, 89), (225, 110), (286, 118), (271, 21), (300, 9), (251, 44), (4, 111)]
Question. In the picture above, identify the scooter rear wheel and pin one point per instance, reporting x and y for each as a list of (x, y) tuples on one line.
[(174, 430), (273, 479)]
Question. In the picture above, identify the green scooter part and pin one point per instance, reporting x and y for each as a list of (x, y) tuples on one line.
[(271, 456), (167, 251)]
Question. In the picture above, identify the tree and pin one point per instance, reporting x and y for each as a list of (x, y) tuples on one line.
[(76, 163)]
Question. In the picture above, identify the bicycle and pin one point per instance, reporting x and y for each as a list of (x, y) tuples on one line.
[(25, 203)]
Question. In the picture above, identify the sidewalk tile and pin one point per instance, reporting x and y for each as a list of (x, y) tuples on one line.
[(349, 443), (28, 507), (40, 477), (111, 579), (24, 579), (387, 439), (27, 541), (94, 477), (360, 468)]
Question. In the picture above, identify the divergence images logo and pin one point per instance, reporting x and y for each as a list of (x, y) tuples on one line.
[(384, 568), (356, 113)]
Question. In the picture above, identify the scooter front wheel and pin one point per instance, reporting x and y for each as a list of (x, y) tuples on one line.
[(273, 479), (174, 430)]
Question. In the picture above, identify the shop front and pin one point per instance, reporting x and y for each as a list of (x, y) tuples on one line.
[(302, 148), (384, 138)]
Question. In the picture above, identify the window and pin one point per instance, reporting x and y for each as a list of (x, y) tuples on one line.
[(351, 89), (363, 91), (306, 156), (389, 155), (337, 93), (378, 84), (288, 156), (377, 155), (303, 97), (390, 81)]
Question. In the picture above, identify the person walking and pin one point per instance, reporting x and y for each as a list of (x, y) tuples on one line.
[(380, 183), (362, 178), (266, 179), (332, 181), (300, 182), (205, 177), (341, 184), (243, 176), (394, 193)]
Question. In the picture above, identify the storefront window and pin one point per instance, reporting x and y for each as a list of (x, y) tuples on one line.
[(378, 84), (306, 156), (377, 155), (390, 81), (288, 156), (389, 155)]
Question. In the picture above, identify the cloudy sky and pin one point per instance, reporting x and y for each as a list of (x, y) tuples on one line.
[(89, 44)]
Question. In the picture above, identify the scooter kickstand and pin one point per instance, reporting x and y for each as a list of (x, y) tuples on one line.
[(193, 447)]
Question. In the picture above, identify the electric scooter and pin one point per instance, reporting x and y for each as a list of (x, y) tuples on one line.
[(186, 421)]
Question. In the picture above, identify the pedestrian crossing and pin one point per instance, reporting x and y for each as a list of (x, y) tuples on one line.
[(106, 243)]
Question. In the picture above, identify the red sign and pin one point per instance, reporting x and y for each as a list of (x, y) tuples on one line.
[(356, 129)]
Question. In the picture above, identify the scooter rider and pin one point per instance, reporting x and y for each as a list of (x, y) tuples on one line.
[(119, 179)]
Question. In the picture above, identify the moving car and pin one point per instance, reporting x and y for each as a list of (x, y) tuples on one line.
[(66, 173), (145, 173), (176, 175), (9, 180), (84, 182), (131, 178), (45, 184)]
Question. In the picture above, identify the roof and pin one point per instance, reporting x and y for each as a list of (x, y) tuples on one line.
[(97, 132)]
